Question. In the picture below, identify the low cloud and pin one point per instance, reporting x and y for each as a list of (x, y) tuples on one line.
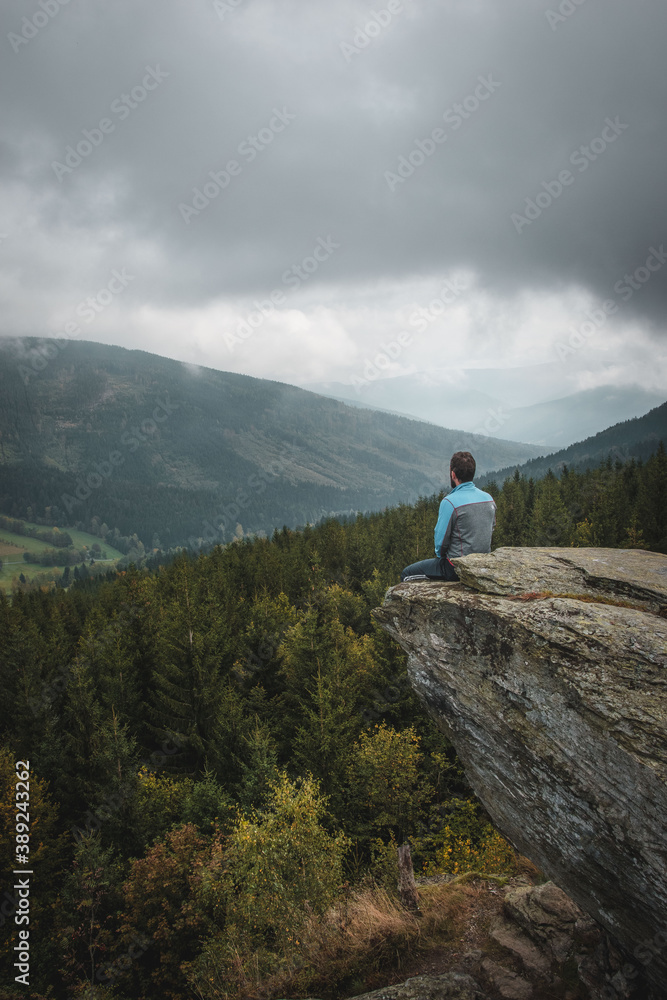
[(220, 76)]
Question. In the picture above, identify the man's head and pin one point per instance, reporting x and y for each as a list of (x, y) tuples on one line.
[(462, 466)]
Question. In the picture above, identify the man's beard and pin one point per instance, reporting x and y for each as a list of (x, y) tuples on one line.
[(452, 483)]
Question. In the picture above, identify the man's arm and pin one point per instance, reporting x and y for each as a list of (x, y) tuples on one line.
[(443, 529)]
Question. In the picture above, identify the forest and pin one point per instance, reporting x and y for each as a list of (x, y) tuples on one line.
[(223, 749), (174, 454)]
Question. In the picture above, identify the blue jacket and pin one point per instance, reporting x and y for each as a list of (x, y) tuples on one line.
[(466, 521)]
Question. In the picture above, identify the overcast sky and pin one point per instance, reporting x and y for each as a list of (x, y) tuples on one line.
[(425, 184)]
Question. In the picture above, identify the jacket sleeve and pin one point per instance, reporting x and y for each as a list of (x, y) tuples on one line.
[(443, 529)]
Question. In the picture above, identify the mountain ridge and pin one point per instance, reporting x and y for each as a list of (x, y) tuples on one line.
[(637, 438), (484, 401), (179, 453)]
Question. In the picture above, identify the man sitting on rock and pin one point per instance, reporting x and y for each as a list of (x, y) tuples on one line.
[(466, 521)]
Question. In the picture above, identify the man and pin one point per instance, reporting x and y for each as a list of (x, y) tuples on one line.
[(466, 521)]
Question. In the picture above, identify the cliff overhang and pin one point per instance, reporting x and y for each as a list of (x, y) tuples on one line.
[(547, 669)]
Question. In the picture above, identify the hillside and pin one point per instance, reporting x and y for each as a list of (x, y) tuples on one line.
[(178, 453), (628, 439)]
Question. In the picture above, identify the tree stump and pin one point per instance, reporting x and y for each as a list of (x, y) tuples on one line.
[(407, 889)]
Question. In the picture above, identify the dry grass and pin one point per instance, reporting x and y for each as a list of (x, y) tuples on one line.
[(368, 940)]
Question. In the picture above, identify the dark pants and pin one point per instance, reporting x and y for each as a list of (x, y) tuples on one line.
[(434, 569)]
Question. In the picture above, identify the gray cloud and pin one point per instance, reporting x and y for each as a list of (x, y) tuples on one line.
[(515, 93)]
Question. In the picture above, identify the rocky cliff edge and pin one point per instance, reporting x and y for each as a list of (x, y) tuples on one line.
[(547, 669)]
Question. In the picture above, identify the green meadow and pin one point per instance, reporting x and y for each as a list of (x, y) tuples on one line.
[(13, 546)]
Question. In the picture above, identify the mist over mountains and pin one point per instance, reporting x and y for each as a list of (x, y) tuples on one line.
[(630, 439), (180, 454), (177, 454), (486, 400)]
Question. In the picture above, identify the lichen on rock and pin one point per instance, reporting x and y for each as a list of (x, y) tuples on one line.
[(547, 669)]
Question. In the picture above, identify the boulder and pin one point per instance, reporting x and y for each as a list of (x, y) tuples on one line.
[(510, 985), (547, 669), (449, 986), (548, 915)]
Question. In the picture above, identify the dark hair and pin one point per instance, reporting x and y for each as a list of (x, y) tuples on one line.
[(463, 466)]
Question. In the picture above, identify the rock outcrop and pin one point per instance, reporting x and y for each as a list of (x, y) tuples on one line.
[(547, 669), (451, 986)]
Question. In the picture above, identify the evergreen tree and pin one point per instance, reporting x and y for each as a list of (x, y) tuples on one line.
[(511, 526), (258, 766), (195, 645), (151, 700), (549, 523), (653, 514), (90, 901)]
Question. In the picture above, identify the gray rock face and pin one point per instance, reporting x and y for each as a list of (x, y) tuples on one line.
[(450, 986), (547, 669)]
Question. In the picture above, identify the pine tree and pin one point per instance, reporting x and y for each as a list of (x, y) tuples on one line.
[(322, 741), (90, 899), (329, 675), (258, 766), (511, 525), (655, 514), (550, 522), (194, 654)]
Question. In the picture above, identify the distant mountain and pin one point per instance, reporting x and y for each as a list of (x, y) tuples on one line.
[(485, 401), (638, 438), (560, 422), (420, 397), (177, 453)]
